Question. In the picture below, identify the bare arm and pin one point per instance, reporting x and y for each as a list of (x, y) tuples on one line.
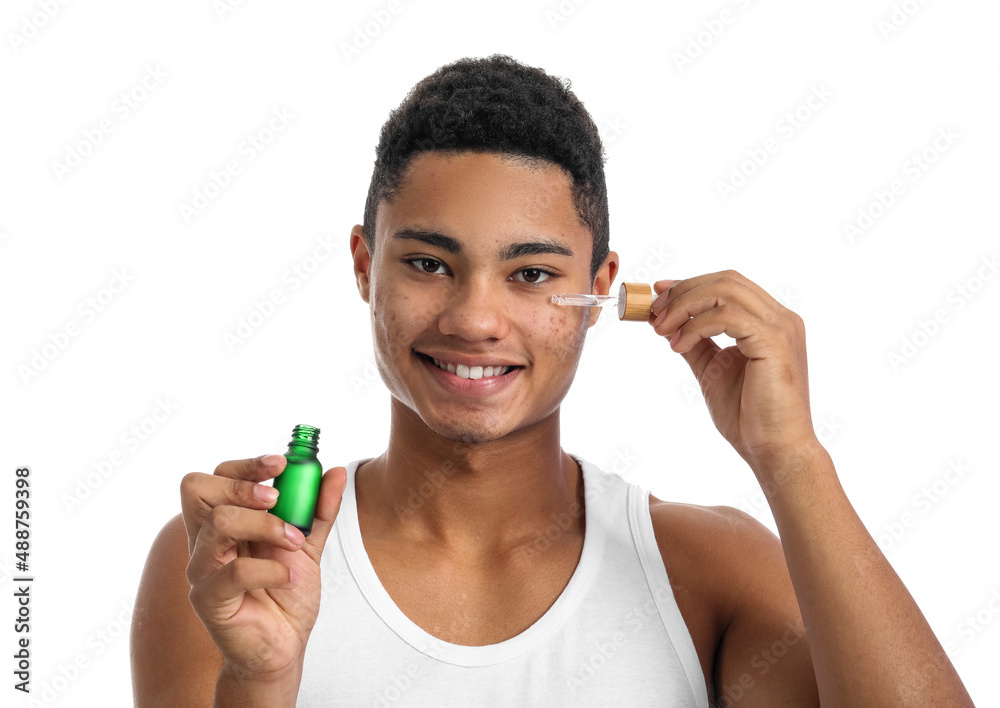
[(870, 643)]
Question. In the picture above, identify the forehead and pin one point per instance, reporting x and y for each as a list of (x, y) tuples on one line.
[(481, 194)]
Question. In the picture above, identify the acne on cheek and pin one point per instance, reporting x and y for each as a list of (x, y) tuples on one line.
[(561, 331)]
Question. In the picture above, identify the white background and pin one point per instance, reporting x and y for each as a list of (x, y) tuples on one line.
[(672, 134)]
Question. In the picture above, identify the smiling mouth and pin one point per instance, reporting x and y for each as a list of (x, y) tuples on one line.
[(469, 372)]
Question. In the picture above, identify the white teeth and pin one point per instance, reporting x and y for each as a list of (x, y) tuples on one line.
[(471, 372)]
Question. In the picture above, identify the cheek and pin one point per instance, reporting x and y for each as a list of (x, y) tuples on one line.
[(561, 332), (389, 320)]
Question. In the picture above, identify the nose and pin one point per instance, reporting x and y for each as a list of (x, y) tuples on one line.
[(475, 311)]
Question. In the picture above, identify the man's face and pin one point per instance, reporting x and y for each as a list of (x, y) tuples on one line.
[(468, 255)]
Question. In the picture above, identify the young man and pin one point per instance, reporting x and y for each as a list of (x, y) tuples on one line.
[(445, 580)]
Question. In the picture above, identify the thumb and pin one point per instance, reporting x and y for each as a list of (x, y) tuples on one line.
[(331, 493)]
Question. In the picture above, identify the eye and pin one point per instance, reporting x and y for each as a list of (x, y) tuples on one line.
[(426, 265), (534, 276)]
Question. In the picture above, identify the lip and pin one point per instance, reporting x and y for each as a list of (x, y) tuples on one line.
[(473, 388)]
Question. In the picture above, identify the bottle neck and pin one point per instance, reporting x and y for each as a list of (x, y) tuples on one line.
[(305, 440), (299, 447)]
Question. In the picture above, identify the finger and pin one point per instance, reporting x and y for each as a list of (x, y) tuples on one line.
[(234, 483), (660, 287), (679, 287), (700, 356), (756, 342), (331, 494), (681, 306), (225, 526), (227, 585), (256, 469), (750, 333)]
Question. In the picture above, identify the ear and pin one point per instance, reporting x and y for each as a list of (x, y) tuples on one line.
[(362, 260), (602, 282)]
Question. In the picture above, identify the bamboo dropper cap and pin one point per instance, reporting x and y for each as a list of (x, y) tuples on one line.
[(634, 302)]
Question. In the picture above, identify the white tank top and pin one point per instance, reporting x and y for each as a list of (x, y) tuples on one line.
[(614, 636)]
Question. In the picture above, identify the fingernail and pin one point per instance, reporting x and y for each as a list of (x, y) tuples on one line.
[(271, 460), (265, 493), (661, 299), (293, 534)]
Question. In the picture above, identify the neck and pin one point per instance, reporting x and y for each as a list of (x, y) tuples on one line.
[(474, 497)]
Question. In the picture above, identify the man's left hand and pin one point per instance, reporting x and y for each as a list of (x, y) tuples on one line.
[(757, 391)]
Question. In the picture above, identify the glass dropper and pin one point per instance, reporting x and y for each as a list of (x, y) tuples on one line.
[(582, 300)]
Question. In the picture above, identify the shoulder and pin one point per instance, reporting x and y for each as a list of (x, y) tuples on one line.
[(725, 546), (730, 576), (714, 557), (733, 539)]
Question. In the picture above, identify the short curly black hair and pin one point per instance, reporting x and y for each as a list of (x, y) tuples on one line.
[(496, 105)]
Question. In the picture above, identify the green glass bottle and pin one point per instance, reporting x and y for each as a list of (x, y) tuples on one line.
[(298, 484)]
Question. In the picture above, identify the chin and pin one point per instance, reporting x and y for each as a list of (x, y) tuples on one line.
[(466, 434)]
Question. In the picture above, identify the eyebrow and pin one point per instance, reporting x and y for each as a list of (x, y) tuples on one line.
[(507, 253)]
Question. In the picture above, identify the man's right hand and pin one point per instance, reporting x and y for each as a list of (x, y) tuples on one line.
[(255, 580)]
